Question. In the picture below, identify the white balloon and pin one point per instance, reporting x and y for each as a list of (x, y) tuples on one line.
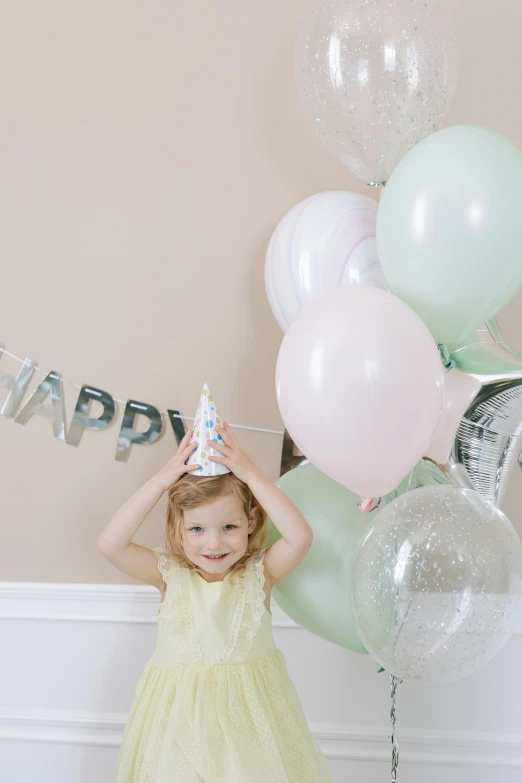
[(325, 241)]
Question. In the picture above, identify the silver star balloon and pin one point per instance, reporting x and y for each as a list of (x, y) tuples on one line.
[(487, 443)]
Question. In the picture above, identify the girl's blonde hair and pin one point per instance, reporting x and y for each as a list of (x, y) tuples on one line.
[(191, 491)]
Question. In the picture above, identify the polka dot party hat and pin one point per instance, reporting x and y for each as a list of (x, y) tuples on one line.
[(204, 427)]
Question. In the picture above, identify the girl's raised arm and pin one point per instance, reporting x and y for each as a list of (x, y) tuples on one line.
[(115, 541), (290, 550)]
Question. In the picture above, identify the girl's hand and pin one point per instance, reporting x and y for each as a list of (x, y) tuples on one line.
[(175, 467), (233, 455)]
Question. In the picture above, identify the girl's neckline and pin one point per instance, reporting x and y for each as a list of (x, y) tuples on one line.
[(220, 582), (215, 582)]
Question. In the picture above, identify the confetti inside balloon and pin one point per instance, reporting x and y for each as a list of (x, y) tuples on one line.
[(375, 77), (437, 584)]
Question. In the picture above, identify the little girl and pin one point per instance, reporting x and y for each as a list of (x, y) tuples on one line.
[(215, 703)]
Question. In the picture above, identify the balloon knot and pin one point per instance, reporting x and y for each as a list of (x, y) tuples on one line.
[(368, 504), (446, 358)]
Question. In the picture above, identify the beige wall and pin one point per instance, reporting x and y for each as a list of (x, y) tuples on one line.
[(147, 151)]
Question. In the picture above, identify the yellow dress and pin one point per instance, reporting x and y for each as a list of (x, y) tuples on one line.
[(215, 703)]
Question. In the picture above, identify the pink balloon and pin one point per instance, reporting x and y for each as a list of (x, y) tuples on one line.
[(359, 384), (459, 391)]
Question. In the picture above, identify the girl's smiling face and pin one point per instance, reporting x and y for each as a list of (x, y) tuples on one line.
[(215, 536)]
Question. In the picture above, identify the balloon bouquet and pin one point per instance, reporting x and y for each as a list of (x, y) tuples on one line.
[(392, 377)]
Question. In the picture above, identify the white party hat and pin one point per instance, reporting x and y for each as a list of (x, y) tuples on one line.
[(204, 427)]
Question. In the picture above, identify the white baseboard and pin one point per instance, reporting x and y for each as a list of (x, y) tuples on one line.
[(347, 743), (91, 603), (95, 603)]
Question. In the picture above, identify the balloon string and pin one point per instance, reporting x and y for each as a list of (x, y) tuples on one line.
[(395, 682)]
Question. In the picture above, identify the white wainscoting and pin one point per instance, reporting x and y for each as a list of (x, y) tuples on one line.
[(71, 654)]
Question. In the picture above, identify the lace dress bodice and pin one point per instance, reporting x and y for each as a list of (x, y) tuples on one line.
[(212, 623)]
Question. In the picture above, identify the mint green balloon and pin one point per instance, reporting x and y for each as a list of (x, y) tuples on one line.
[(449, 229), (317, 594)]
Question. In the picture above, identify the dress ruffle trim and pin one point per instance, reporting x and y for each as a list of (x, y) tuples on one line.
[(248, 620), (164, 561)]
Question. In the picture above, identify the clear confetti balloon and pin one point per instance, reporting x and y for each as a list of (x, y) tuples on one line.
[(375, 77), (437, 583)]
